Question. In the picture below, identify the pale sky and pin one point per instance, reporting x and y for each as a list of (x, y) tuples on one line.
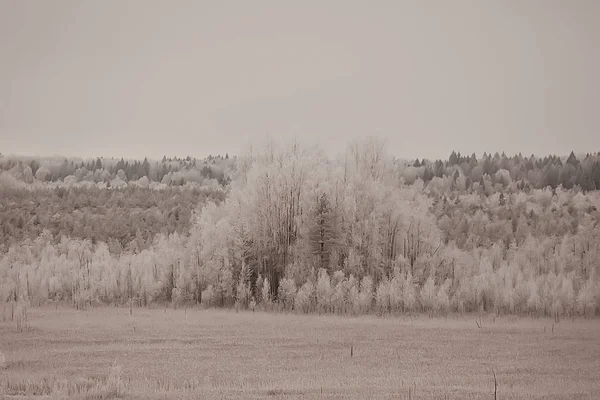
[(138, 78)]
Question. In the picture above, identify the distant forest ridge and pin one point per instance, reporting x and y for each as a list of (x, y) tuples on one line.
[(117, 172), (569, 171)]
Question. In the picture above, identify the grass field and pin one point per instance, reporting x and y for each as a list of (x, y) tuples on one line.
[(223, 354)]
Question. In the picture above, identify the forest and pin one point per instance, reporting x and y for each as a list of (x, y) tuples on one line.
[(285, 227)]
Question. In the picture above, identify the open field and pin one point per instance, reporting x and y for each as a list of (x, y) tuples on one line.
[(224, 354)]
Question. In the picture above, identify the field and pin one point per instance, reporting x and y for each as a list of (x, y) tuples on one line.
[(221, 354)]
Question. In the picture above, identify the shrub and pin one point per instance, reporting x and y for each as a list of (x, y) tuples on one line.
[(382, 296), (337, 278), (225, 288), (428, 294), (409, 293), (353, 295), (567, 295), (242, 295), (208, 296), (365, 298), (2, 360), (534, 302), (266, 293), (585, 300), (521, 293), (304, 301), (286, 293), (396, 291), (323, 291), (258, 285), (442, 301), (338, 297), (115, 384)]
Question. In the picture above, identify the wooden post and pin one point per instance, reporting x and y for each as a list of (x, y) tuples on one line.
[(495, 385)]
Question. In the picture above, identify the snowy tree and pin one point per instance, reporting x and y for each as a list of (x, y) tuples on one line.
[(427, 296)]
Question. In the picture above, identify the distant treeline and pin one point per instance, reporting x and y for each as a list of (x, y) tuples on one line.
[(169, 171), (534, 172)]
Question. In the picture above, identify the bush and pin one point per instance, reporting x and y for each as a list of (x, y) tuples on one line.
[(323, 291), (365, 297), (339, 292), (2, 360), (353, 295), (208, 296), (304, 301), (428, 295), (409, 293), (395, 290), (115, 385), (242, 295), (534, 302), (225, 288), (382, 296), (286, 293), (586, 299), (443, 298), (567, 295), (266, 293)]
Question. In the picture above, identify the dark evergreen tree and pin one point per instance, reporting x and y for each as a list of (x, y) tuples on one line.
[(323, 235)]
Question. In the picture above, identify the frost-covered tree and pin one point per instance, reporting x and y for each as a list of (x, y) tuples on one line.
[(427, 297)]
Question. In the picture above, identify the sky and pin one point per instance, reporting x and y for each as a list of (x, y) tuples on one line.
[(190, 77)]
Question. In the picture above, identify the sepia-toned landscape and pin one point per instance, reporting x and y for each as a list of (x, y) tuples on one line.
[(329, 199), (299, 276)]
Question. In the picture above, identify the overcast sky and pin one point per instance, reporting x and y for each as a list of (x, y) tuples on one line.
[(144, 77)]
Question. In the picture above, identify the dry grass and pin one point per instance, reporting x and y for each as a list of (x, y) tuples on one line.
[(108, 353)]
